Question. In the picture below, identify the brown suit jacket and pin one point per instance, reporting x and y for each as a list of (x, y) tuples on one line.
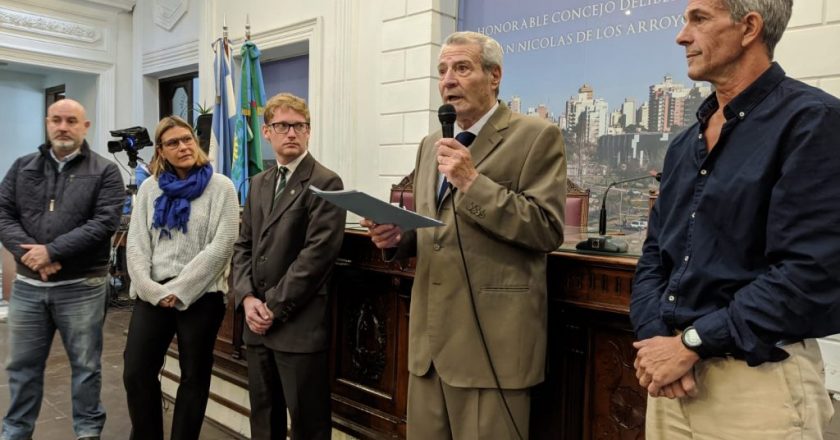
[(509, 220), (285, 256)]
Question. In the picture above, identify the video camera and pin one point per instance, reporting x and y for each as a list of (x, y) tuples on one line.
[(133, 139)]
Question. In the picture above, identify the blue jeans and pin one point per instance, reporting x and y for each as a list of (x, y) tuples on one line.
[(78, 312)]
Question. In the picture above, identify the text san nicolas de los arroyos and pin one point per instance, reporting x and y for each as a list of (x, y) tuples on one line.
[(591, 12)]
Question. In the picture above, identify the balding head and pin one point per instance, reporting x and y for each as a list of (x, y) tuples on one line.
[(68, 105), (67, 126)]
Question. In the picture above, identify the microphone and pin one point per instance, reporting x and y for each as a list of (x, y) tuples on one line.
[(446, 116), (604, 243)]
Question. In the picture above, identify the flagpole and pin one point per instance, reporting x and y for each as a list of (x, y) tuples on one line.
[(225, 109), (247, 27)]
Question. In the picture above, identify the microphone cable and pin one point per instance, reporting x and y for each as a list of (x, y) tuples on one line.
[(477, 320)]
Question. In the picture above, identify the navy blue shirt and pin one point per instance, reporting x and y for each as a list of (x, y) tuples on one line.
[(744, 241)]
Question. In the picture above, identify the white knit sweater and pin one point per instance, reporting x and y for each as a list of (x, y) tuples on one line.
[(198, 261)]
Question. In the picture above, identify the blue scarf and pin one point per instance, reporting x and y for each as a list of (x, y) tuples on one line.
[(172, 208)]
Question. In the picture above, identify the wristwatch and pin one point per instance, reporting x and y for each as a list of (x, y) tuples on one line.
[(691, 339)]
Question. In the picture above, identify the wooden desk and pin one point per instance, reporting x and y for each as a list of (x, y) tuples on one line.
[(590, 390)]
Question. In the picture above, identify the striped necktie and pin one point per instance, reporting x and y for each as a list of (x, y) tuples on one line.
[(281, 184), (465, 138)]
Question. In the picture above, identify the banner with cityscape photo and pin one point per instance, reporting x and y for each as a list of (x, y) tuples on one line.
[(609, 73)]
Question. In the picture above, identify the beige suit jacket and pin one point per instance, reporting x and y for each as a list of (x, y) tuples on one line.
[(509, 220)]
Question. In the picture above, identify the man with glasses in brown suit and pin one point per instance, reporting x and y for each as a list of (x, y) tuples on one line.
[(282, 263)]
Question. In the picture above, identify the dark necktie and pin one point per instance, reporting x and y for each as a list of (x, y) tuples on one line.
[(465, 138), (281, 176)]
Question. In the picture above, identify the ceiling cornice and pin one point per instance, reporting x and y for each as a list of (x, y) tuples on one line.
[(122, 5)]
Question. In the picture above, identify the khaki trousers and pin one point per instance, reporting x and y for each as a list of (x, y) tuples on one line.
[(775, 401), (441, 412)]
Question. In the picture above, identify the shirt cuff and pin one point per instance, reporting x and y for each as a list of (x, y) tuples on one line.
[(713, 330), (654, 327)]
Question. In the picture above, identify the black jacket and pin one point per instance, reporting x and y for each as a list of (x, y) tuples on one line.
[(74, 212)]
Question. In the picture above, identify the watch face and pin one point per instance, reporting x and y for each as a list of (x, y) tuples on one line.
[(691, 338)]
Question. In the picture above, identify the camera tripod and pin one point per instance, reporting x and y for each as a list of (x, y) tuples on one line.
[(119, 280)]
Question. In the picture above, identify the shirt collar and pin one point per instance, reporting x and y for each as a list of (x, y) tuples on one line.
[(63, 161), (741, 105), (293, 164), (476, 128)]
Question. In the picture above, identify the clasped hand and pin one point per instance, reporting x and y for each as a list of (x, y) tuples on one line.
[(168, 302), (257, 315), (665, 367), (37, 259)]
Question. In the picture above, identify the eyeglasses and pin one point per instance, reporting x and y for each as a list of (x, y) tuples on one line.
[(176, 142), (283, 127)]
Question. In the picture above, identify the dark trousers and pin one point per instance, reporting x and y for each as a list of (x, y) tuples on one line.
[(297, 381), (149, 334)]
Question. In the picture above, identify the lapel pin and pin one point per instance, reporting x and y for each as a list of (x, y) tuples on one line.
[(293, 192)]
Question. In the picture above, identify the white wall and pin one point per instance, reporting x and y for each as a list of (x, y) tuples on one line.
[(808, 49), (160, 51), (22, 124), (23, 94)]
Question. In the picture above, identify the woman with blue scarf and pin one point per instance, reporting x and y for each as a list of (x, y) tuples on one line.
[(180, 242)]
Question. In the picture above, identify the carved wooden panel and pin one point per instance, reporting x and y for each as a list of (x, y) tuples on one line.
[(600, 285), (557, 405), (370, 311), (229, 339), (618, 410)]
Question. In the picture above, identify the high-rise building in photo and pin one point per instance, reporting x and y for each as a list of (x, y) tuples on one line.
[(516, 104), (586, 116), (667, 105)]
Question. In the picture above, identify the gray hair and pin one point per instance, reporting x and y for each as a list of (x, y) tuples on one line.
[(491, 50), (775, 13)]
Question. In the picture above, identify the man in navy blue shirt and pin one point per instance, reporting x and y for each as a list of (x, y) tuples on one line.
[(741, 268)]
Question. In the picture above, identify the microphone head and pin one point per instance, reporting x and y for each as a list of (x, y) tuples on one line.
[(447, 114)]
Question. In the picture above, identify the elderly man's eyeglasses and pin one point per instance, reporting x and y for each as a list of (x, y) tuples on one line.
[(176, 142), (283, 127)]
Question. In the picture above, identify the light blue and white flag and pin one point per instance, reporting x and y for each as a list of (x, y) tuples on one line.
[(223, 139)]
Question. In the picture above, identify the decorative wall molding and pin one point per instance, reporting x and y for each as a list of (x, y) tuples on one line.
[(53, 61), (122, 5), (170, 58), (53, 27), (342, 126), (295, 33), (167, 12)]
